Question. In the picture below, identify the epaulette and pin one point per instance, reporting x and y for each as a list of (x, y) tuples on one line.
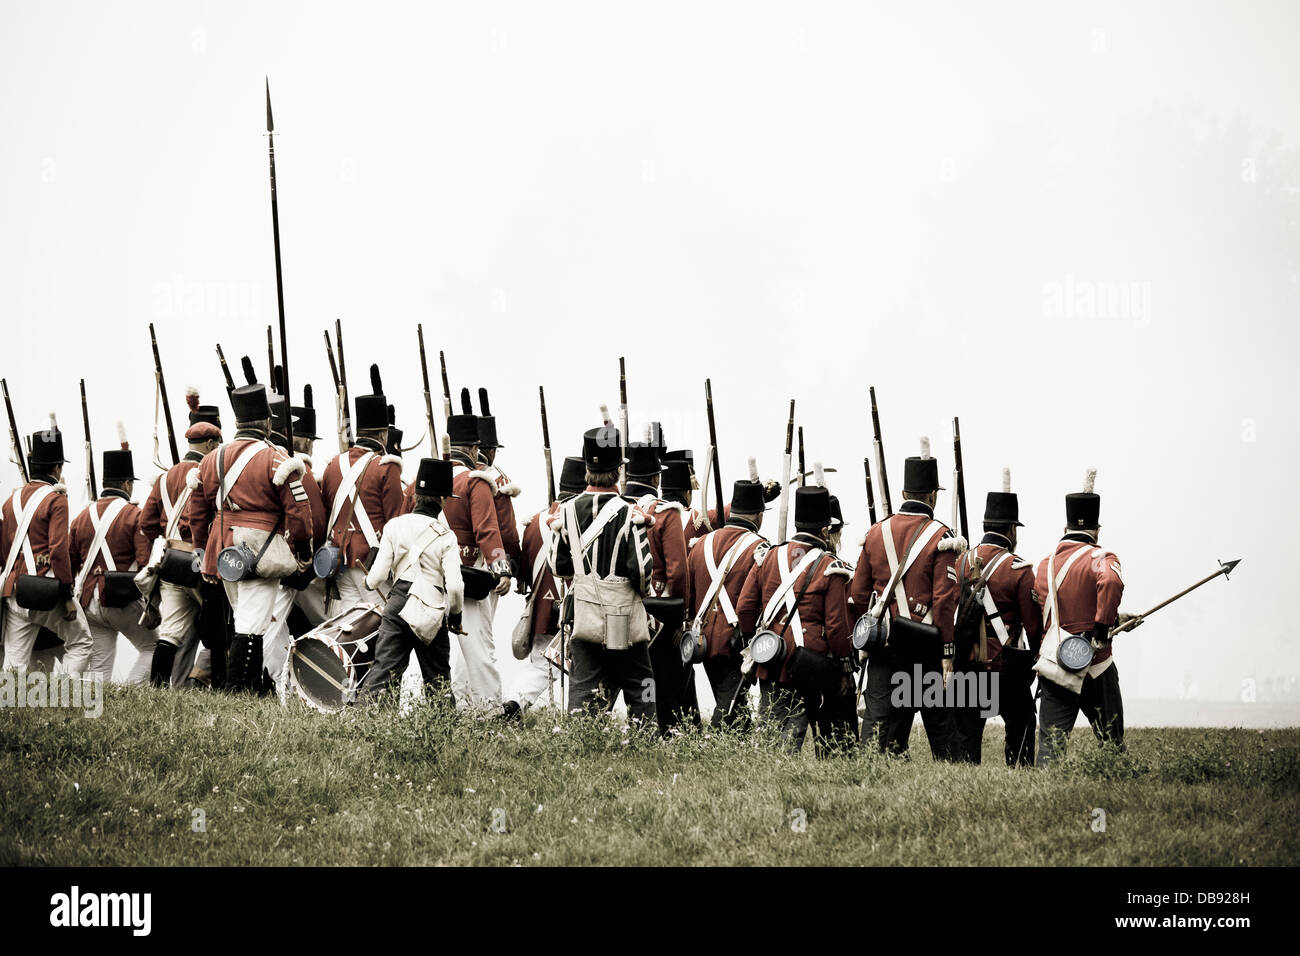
[(290, 466), (192, 479), (661, 505), (760, 552), (59, 488), (484, 476), (1017, 563), (697, 519), (839, 566), (640, 516), (391, 460)]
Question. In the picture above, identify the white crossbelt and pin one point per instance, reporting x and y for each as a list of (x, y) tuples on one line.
[(20, 542), (784, 594), (173, 512), (891, 555), (99, 544), (348, 491), (228, 480), (1054, 581), (718, 576), (991, 611)]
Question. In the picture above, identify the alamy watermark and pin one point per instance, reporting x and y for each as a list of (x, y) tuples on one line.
[(1074, 298), (39, 689), (965, 689)]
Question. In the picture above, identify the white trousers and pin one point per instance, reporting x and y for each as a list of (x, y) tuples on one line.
[(179, 609), (253, 602), (475, 680), (21, 628), (533, 676), (105, 624)]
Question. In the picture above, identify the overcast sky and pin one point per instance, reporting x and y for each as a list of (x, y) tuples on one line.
[(1074, 227)]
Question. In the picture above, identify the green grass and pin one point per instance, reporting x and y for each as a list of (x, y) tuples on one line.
[(281, 786)]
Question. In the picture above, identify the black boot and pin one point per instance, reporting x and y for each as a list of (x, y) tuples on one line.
[(164, 656), (239, 670)]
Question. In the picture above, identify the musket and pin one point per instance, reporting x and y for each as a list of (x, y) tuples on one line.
[(279, 281), (622, 425), (340, 406), (546, 447), (343, 382), (446, 405), (871, 494), (1224, 569), (713, 445), (92, 492), (803, 469), (15, 443), (784, 512), (225, 370), (428, 399), (270, 354), (162, 395), (959, 479), (882, 474)]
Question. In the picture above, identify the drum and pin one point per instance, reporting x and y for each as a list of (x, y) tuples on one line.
[(326, 664)]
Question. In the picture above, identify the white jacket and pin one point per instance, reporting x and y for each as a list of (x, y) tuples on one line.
[(435, 573)]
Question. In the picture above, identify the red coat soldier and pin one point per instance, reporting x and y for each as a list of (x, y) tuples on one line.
[(102, 541), (1002, 634), (247, 493), (34, 541), (719, 564), (795, 603), (1079, 587), (925, 599)]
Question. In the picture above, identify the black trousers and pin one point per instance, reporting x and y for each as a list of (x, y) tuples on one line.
[(674, 684), (832, 717), (1099, 699), (889, 725), (598, 676), (1015, 704), (394, 642), (725, 678)]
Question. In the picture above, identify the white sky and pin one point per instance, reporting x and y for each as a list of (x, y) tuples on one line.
[(797, 200)]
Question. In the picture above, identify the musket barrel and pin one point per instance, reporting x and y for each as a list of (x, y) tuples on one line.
[(20, 457), (882, 473), (162, 396), (622, 424), (92, 490), (428, 399), (546, 447), (871, 494), (960, 479), (1224, 569), (717, 469), (784, 512), (279, 284)]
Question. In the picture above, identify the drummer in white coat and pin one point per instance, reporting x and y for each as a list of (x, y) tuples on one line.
[(419, 552)]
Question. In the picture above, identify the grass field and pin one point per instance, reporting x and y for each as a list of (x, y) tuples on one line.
[(199, 778)]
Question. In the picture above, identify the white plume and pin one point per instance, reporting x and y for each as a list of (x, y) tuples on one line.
[(925, 447), (753, 469), (1006, 480), (819, 476), (1089, 481), (649, 435), (604, 413), (191, 390), (121, 432), (54, 422)]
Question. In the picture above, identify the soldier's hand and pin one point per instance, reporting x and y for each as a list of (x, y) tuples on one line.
[(211, 579), (453, 624), (947, 670), (502, 587), (69, 610), (1125, 617)]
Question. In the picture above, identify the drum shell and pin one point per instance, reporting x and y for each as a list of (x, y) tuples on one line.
[(343, 647)]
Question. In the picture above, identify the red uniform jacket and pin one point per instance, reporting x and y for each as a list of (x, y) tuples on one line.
[(472, 514), (1012, 588), (320, 516), (667, 540), (930, 589), (535, 547), (379, 492), (1091, 592), (504, 494), (269, 487), (120, 539), (823, 609), (717, 630), (47, 534), (153, 518)]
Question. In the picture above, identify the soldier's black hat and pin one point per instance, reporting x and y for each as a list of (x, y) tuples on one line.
[(676, 475), (206, 413), (47, 446), (600, 448), (921, 474), (573, 475), (118, 465), (746, 498), (681, 454), (1002, 507), (812, 507), (304, 417), (837, 516), (373, 409), (462, 429), (279, 409), (487, 424), (395, 436), (1083, 508), (643, 460), (434, 478), (249, 403)]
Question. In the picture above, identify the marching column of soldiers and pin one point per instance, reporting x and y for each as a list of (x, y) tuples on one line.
[(239, 551)]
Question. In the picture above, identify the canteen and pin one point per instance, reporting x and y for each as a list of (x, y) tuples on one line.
[(767, 648)]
